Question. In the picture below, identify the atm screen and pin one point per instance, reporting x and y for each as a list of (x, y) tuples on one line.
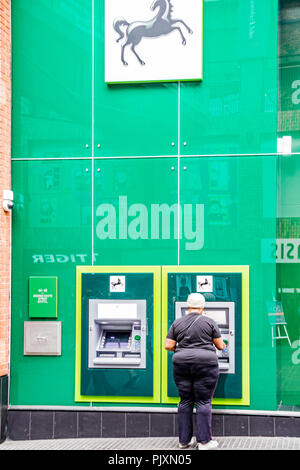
[(116, 339), (219, 316)]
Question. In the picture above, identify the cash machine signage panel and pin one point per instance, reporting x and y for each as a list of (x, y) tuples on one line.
[(117, 311), (118, 335), (224, 304)]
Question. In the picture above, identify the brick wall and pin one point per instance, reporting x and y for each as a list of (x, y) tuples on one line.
[(5, 181)]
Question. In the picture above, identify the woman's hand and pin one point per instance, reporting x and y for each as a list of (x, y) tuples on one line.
[(219, 343), (170, 345)]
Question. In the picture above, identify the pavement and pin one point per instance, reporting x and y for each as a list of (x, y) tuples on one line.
[(161, 444)]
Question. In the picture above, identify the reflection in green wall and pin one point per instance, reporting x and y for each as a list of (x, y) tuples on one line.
[(232, 111), (51, 235), (132, 189), (288, 275), (143, 117), (288, 222), (52, 75), (239, 197), (52, 218), (230, 200)]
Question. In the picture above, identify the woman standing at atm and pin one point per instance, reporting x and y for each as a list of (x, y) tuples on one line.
[(193, 339)]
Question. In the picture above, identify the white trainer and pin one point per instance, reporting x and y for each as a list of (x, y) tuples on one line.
[(208, 446), (185, 446)]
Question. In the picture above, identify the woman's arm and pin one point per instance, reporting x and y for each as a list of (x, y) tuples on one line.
[(170, 345), (219, 343)]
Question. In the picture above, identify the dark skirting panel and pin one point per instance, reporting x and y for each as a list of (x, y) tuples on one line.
[(30, 425), (3, 406)]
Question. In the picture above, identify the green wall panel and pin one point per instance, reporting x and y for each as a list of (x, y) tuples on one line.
[(135, 187), (52, 78), (288, 222), (134, 119), (288, 275), (238, 195), (233, 110), (51, 235), (53, 218)]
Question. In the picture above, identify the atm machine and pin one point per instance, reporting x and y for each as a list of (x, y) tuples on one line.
[(117, 334), (223, 314), (225, 289)]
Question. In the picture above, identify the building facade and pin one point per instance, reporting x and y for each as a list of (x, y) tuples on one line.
[(172, 178), (5, 217)]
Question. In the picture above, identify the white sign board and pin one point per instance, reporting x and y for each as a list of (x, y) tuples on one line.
[(117, 311), (204, 284), (117, 283), (153, 40), (219, 316)]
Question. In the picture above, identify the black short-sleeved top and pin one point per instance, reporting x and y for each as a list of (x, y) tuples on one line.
[(194, 335)]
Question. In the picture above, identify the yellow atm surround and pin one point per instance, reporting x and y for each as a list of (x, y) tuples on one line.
[(168, 307), (118, 385), (160, 374)]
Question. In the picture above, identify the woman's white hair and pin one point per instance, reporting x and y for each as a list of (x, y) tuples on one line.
[(196, 300)]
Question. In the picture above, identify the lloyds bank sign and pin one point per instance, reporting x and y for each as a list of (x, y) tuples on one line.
[(147, 41)]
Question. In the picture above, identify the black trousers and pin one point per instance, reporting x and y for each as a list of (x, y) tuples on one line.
[(196, 384)]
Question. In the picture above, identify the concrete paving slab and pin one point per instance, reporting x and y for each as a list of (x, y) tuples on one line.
[(160, 444)]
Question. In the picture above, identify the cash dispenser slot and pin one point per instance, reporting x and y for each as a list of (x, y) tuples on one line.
[(223, 314), (117, 334), (117, 346)]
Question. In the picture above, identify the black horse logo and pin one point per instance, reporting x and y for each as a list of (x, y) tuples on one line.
[(161, 24), (115, 284)]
